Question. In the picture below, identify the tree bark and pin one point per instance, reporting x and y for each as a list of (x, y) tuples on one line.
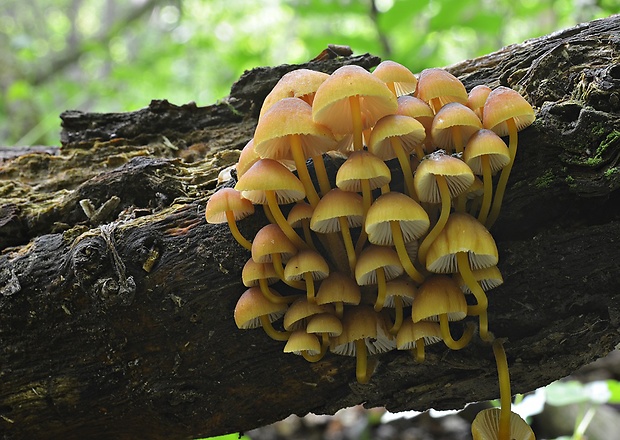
[(116, 297)]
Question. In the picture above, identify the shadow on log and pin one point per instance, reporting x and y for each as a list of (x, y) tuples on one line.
[(116, 296)]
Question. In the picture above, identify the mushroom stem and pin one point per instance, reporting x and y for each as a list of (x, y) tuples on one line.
[(361, 367), (366, 202), (281, 221), (305, 225), (269, 215), (232, 224), (503, 178), (309, 287), (315, 357), (339, 305), (348, 243), (480, 308), (450, 342), (356, 115), (505, 396), (457, 139), (398, 320), (274, 298), (302, 170), (381, 289), (272, 332), (487, 182), (403, 256), (444, 192), (321, 174), (405, 166), (419, 350)]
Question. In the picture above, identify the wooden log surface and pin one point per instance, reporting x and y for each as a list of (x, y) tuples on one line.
[(116, 296)]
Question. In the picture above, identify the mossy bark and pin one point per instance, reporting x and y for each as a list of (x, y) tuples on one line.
[(116, 296)]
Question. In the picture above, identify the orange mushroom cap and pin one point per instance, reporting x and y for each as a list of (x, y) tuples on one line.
[(399, 79)]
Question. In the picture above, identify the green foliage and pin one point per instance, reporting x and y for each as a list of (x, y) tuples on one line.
[(114, 55)]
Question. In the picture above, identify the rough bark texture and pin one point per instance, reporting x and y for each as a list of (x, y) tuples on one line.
[(118, 324)]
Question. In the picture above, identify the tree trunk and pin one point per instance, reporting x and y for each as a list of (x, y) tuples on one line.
[(116, 297)]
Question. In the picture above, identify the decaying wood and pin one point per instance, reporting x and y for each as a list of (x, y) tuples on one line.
[(116, 296)]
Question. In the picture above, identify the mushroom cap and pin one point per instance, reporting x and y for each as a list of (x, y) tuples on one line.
[(454, 116), (458, 176), (335, 204), (299, 341), (408, 130), (252, 305), (437, 295), (362, 165), (227, 199), (253, 184), (324, 323), (306, 261), (486, 426), (462, 233), (402, 287), (247, 158), (299, 212), (298, 311), (394, 206), (477, 97), (410, 332), (439, 84), (269, 240), (253, 272), (502, 104), (488, 278), (331, 102), (486, 143), (362, 322), (338, 287), (373, 258), (392, 72), (300, 83), (417, 109), (290, 116)]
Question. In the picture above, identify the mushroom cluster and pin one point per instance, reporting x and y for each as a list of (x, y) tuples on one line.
[(374, 263)]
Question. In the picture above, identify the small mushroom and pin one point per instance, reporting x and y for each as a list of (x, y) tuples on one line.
[(338, 289), (415, 336), (395, 220), (453, 125), (271, 245), (352, 100), (375, 266), (505, 112), (254, 310), (269, 183), (304, 344), (309, 266), (227, 206), (399, 79), (439, 298), (264, 275), (397, 136), (438, 87)]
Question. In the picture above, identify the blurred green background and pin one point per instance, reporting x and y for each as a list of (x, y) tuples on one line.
[(117, 55)]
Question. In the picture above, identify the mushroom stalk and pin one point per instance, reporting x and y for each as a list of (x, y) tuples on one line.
[(487, 182), (277, 266), (480, 308), (361, 367), (398, 320), (272, 332), (274, 298), (232, 224), (381, 289), (503, 178), (321, 173), (403, 256), (302, 170), (503, 377), (405, 166), (366, 202), (450, 342), (419, 350), (309, 287), (348, 243), (444, 192), (281, 221), (356, 115)]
